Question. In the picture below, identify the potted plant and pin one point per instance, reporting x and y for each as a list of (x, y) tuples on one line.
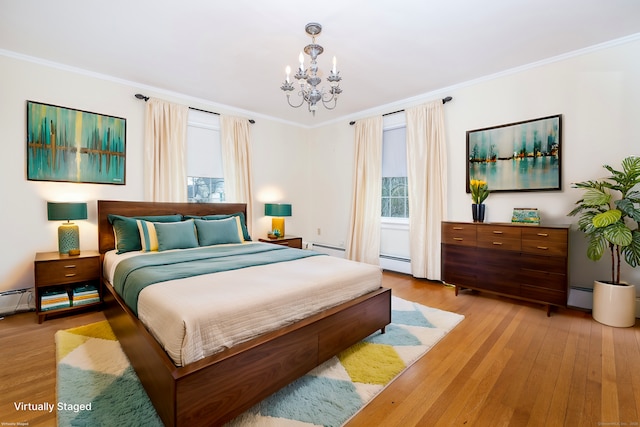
[(479, 193), (609, 214)]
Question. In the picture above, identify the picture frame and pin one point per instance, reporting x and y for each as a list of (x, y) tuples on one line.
[(520, 156), (70, 145)]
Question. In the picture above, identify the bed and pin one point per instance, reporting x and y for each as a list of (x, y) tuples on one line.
[(214, 388)]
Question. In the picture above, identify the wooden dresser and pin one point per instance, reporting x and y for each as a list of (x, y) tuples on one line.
[(520, 261)]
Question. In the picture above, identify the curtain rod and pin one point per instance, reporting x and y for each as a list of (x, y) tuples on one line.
[(146, 98), (444, 101)]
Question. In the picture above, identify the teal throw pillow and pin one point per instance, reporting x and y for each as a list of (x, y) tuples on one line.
[(126, 230), (216, 232), (176, 235), (243, 222)]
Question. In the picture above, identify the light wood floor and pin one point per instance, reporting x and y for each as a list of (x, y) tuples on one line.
[(506, 364)]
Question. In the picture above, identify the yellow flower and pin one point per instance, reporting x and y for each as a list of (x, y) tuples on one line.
[(479, 190)]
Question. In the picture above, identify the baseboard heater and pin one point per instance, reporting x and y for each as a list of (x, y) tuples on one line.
[(582, 298), (387, 262), (16, 301), (328, 249), (395, 263)]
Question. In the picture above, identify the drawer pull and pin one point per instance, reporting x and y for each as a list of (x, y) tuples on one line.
[(497, 243), (457, 228), (497, 232), (544, 248), (543, 234), (460, 239), (69, 274)]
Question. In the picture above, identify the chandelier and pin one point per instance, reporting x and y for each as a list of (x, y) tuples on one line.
[(308, 77)]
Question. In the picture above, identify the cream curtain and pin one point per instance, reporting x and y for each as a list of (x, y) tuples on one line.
[(165, 144), (363, 243), (236, 161), (427, 186)]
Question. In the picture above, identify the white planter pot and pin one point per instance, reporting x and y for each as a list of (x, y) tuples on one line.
[(614, 305)]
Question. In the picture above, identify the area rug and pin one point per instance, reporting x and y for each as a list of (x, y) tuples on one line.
[(97, 386)]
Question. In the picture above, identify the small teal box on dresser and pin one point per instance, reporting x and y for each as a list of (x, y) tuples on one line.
[(526, 216)]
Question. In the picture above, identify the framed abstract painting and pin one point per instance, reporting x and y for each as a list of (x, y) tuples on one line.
[(521, 156), (68, 145)]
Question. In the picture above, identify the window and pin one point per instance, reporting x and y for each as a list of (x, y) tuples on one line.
[(395, 197), (205, 180)]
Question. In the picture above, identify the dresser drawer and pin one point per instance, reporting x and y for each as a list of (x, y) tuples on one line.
[(67, 271), (545, 241), (549, 264), (458, 234), (499, 237), (543, 279), (458, 265), (498, 279), (544, 295)]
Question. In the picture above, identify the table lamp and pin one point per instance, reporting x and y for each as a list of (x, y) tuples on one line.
[(278, 211), (68, 233)]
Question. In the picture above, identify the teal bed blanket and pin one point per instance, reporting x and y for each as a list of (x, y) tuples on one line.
[(132, 275)]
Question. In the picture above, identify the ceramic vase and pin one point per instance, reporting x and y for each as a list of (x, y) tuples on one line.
[(477, 210)]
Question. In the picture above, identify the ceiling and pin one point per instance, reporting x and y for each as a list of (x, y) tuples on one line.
[(234, 53)]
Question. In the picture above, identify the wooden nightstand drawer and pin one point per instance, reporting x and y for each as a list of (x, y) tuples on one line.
[(292, 242), (67, 271)]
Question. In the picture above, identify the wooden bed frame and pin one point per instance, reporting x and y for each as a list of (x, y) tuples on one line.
[(217, 388)]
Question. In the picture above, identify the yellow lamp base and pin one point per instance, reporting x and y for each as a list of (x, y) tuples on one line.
[(277, 223)]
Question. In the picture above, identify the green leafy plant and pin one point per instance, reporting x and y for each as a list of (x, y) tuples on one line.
[(479, 190), (609, 214)]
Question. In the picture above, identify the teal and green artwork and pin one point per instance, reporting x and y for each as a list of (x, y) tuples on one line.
[(522, 156), (64, 144)]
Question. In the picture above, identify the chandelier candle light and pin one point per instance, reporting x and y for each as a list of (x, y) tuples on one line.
[(308, 77)]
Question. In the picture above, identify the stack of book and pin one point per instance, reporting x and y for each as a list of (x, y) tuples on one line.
[(85, 295), (54, 299)]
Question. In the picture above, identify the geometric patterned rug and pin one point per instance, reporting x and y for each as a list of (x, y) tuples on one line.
[(96, 386)]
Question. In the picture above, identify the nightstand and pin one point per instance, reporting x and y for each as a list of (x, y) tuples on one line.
[(64, 283), (291, 241)]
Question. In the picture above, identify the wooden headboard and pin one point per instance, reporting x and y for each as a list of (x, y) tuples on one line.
[(106, 240)]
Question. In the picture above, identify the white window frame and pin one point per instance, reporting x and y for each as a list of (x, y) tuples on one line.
[(208, 121), (391, 122)]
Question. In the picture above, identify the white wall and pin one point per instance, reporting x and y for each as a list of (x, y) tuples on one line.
[(598, 95), (23, 216), (280, 173), (331, 154), (279, 154)]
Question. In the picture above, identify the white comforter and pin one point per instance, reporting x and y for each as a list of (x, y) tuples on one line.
[(199, 316)]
